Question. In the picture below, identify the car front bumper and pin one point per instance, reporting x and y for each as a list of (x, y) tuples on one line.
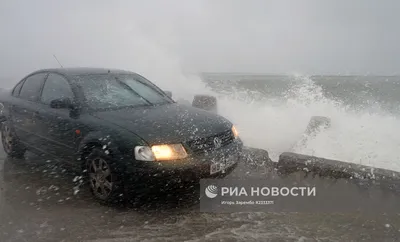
[(192, 168)]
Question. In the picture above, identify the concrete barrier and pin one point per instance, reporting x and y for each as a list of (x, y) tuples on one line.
[(257, 157), (255, 163), (183, 102), (205, 102), (353, 187), (291, 163), (316, 125), (341, 187)]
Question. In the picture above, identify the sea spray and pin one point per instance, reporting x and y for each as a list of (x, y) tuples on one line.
[(360, 135)]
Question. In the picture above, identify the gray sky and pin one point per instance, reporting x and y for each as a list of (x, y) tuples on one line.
[(161, 38)]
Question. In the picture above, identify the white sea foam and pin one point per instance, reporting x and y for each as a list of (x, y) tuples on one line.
[(362, 136)]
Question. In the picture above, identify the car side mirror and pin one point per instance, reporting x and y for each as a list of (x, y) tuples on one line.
[(169, 94), (61, 103)]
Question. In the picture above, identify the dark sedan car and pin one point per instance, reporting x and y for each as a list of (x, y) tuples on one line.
[(117, 127)]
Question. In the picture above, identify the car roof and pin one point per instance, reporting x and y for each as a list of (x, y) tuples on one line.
[(74, 71)]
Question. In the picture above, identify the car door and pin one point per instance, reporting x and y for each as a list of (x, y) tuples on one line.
[(57, 127), (25, 109)]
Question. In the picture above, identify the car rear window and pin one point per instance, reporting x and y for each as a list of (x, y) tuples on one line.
[(17, 88), (32, 87)]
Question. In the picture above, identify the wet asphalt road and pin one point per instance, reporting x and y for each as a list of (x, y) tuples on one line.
[(41, 201)]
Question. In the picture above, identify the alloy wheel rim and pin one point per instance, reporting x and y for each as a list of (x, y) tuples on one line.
[(100, 178), (7, 138)]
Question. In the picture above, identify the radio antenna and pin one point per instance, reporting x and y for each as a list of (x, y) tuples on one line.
[(55, 57)]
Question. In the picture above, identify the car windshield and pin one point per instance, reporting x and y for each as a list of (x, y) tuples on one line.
[(119, 91)]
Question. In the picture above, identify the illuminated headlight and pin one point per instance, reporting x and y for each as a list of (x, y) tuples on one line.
[(235, 132), (160, 152)]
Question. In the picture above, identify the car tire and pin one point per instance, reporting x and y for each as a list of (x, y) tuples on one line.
[(205, 102), (104, 177), (11, 144)]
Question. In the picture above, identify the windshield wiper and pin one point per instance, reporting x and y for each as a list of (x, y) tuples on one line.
[(114, 108)]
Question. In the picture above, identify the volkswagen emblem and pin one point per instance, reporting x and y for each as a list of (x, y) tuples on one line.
[(217, 142)]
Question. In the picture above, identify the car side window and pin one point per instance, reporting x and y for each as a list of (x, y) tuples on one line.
[(56, 86), (31, 88), (17, 89)]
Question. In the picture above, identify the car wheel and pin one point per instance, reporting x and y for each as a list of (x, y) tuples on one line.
[(104, 177), (11, 144)]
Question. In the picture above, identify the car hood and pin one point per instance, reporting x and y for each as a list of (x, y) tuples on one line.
[(172, 123)]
